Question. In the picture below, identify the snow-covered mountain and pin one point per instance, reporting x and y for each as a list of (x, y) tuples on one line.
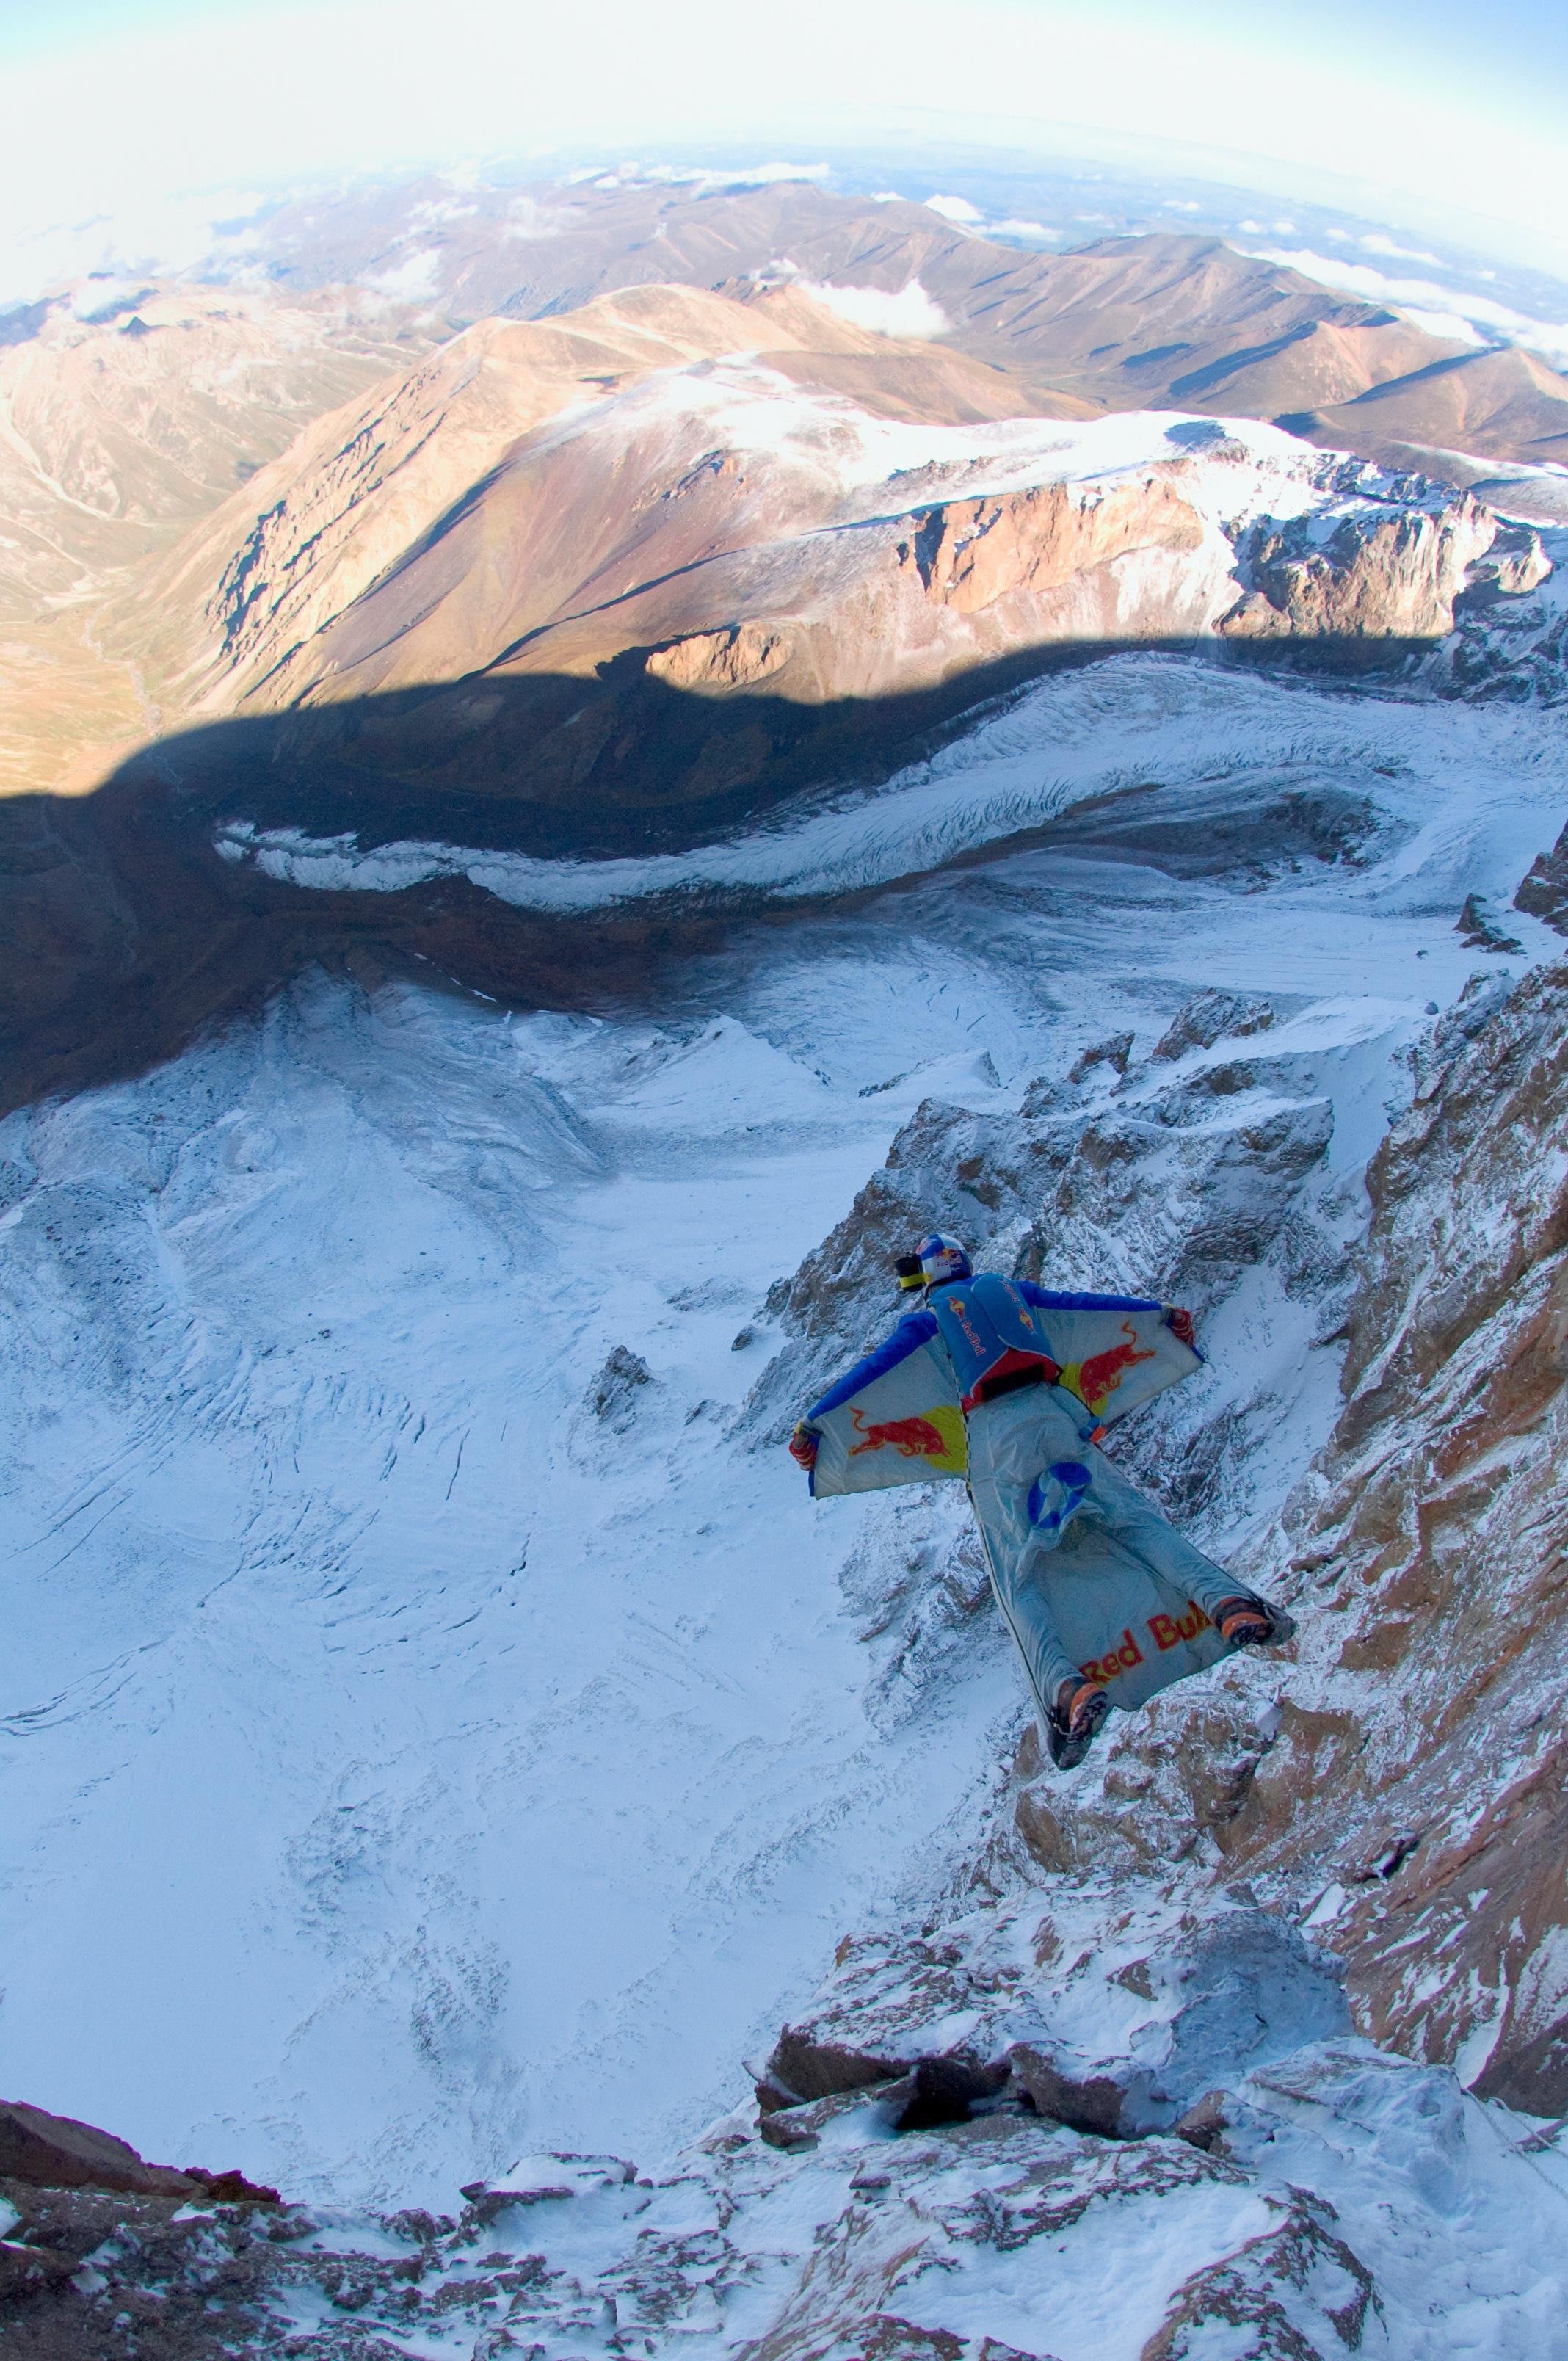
[(423, 1655), (487, 624), (662, 857)]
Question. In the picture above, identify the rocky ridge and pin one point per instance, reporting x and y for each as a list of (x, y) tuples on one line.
[(1398, 1796), (1303, 2211), (412, 544)]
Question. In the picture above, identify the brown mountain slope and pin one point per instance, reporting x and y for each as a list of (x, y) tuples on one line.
[(665, 475), (1499, 405), (408, 493), (117, 433), (1170, 321)]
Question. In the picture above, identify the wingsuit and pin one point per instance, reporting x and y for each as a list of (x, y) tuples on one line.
[(1106, 1602)]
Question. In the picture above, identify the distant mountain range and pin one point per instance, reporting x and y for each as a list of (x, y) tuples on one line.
[(1122, 323), (720, 497), (142, 417)]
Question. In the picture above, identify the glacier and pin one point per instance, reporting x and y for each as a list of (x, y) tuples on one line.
[(419, 1746)]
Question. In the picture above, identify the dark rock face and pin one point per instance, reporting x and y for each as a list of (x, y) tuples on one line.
[(943, 2091), (1544, 891), (805, 2067), (28, 2270), (107, 2256), (1093, 2103), (1411, 1782), (1477, 930), (56, 2152), (613, 1396), (1211, 1016)]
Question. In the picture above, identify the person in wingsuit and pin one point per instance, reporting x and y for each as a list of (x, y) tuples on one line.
[(1055, 1515)]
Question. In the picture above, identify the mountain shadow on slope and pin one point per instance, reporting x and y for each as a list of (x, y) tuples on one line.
[(129, 933)]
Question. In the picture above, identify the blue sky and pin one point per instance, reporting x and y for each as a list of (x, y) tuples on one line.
[(107, 105)]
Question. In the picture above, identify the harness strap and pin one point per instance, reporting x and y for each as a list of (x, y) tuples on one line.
[(1009, 1381)]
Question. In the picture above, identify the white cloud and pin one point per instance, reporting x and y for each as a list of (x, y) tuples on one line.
[(1425, 300), (955, 209), (1376, 243), (1179, 205), (532, 217), (151, 237), (1031, 231), (700, 177), (413, 279), (910, 313), (1446, 323), (436, 210)]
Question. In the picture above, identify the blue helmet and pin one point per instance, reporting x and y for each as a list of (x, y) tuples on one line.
[(942, 1258)]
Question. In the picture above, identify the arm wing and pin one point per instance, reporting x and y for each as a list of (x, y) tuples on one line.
[(893, 1418), (1115, 1350)]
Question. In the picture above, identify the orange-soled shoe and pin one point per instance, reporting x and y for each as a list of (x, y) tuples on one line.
[(1248, 1622), (1073, 1721)]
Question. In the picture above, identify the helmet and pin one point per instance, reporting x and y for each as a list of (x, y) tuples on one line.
[(942, 1258)]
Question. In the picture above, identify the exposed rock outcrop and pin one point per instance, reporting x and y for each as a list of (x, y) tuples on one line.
[(969, 553), (1011, 2007), (1405, 1790), (1389, 577), (1544, 892), (57, 2152), (738, 657), (1476, 930), (1435, 1529), (105, 2257)]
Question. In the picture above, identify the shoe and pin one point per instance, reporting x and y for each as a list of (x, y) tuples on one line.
[(1073, 1721), (1248, 1622)]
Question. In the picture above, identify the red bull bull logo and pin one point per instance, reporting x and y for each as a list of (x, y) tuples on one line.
[(1102, 1372), (912, 1438)]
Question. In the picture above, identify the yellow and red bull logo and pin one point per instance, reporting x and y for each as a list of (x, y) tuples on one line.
[(937, 1434), (1094, 1380)]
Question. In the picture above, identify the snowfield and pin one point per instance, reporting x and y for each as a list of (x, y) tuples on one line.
[(434, 1724)]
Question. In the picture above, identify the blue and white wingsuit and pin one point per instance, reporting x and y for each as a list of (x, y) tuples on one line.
[(1010, 1385)]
